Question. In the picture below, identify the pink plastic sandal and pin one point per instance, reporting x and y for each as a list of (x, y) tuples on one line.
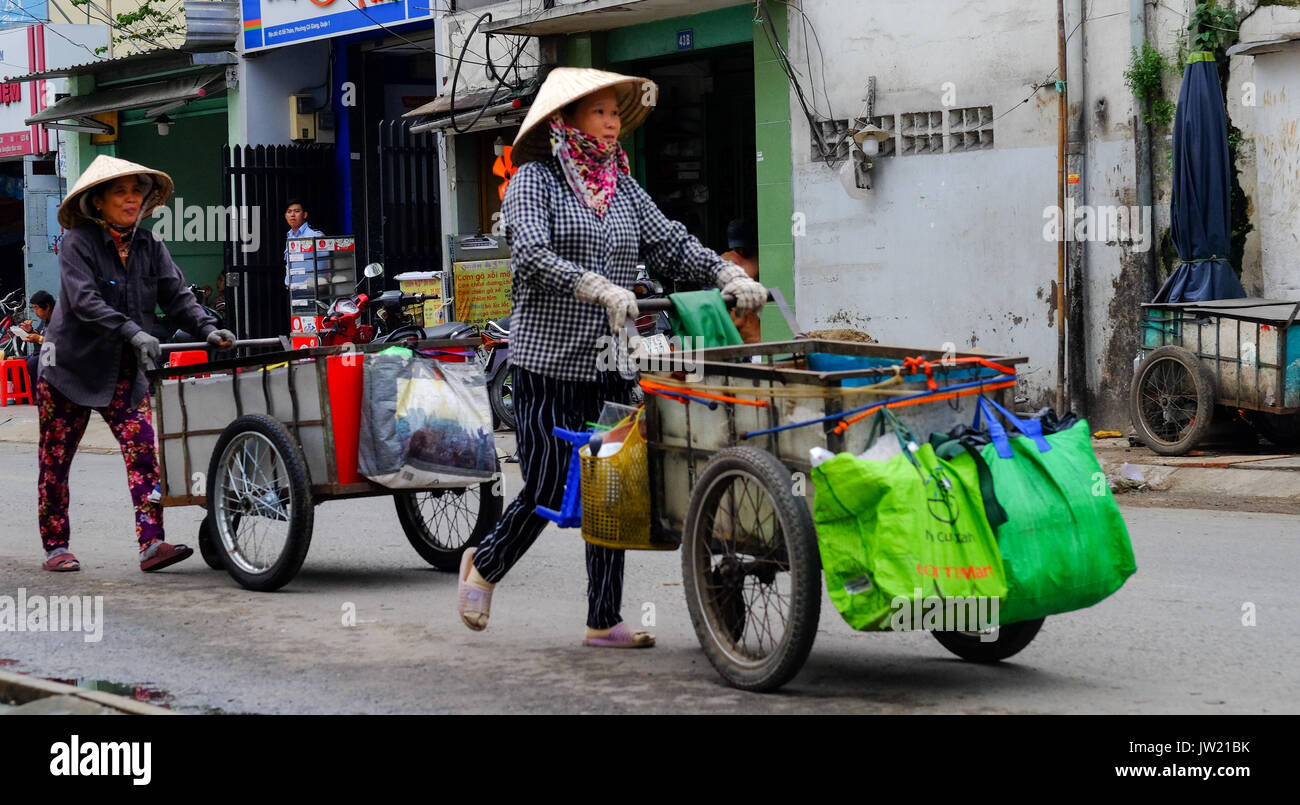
[(471, 602), (622, 636)]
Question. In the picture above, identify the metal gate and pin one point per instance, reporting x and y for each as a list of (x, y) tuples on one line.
[(257, 183), (411, 238)]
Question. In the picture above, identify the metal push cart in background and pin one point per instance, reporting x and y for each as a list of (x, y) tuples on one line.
[(1235, 354), (260, 440)]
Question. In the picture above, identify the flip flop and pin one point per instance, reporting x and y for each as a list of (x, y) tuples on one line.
[(621, 636), (470, 600), (63, 563), (166, 556)]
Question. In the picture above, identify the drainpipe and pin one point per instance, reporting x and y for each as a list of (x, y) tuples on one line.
[(1142, 151), (1062, 111), (1077, 163)]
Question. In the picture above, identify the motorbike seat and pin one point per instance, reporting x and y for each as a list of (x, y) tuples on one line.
[(452, 329)]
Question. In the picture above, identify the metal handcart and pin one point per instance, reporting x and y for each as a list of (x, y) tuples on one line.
[(260, 440), (1231, 355), (728, 458)]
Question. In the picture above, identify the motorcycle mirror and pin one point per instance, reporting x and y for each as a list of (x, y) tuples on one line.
[(374, 270)]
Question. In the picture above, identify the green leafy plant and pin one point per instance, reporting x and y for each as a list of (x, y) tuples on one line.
[(150, 24), (1145, 77), (1212, 27)]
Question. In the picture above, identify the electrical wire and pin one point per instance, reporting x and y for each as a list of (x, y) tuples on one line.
[(422, 46), (783, 60), (486, 16)]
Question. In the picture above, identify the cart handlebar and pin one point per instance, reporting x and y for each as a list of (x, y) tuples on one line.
[(247, 342)]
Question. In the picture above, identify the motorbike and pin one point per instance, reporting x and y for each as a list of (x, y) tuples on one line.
[(168, 334), (342, 322), (495, 358)]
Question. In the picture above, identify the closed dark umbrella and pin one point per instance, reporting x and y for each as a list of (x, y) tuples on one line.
[(1201, 205)]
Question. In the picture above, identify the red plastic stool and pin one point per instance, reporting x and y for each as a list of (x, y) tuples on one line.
[(15, 374)]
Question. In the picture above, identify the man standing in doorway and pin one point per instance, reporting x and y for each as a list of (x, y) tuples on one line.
[(295, 215)]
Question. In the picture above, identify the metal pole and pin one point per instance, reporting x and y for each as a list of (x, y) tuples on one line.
[(1062, 111)]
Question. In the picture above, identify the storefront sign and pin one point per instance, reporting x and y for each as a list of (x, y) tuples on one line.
[(272, 23), (22, 46), (482, 290)]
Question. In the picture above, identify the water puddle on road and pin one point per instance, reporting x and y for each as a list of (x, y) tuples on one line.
[(140, 693)]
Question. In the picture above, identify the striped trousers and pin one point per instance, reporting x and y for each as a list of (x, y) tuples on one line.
[(542, 403)]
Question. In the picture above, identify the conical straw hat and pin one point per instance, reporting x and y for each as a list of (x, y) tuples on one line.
[(636, 97), (76, 206)]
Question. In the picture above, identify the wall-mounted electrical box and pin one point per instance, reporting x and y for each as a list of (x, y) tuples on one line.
[(325, 126), (302, 117)]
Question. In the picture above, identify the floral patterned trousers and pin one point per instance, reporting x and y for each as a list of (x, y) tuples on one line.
[(63, 423)]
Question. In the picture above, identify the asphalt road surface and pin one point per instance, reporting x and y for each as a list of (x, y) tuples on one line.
[(1171, 641)]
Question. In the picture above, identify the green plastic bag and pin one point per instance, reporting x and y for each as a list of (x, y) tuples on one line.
[(703, 316), (899, 534), (1065, 545)]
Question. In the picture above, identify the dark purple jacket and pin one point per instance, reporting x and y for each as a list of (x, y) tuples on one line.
[(101, 305)]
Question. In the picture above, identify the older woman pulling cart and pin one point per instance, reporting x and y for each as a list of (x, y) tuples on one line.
[(114, 273)]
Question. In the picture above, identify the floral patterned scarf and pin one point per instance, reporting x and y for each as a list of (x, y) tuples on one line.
[(591, 166)]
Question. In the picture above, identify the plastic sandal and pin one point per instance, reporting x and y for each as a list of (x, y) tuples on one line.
[(621, 636), (63, 563), (472, 602), (166, 556)]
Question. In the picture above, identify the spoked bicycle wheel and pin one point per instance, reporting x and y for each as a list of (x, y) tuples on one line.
[(751, 570), (1172, 400), (441, 524), (259, 499)]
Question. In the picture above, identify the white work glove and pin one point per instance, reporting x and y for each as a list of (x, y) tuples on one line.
[(221, 338), (620, 303), (147, 349), (750, 295)]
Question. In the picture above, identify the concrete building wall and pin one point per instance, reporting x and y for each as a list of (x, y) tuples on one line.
[(950, 247), (1277, 142), (259, 110)]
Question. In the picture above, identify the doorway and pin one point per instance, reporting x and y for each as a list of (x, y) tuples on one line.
[(695, 155)]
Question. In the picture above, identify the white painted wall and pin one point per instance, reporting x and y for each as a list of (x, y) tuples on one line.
[(259, 110), (950, 247), (1277, 143)]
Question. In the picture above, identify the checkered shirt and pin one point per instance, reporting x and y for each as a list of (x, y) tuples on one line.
[(555, 238)]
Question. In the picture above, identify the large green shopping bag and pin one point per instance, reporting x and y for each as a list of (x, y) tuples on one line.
[(1064, 545), (896, 533)]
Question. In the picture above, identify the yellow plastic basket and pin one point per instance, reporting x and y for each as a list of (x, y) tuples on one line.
[(616, 493)]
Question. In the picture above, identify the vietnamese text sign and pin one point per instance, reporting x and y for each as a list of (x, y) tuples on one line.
[(271, 23), (482, 290)]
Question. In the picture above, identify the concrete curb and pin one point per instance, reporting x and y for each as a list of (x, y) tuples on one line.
[(1211, 479), (25, 689)]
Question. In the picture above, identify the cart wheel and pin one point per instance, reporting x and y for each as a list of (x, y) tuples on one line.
[(1281, 430), (208, 544), (1172, 401), (442, 523), (751, 570), (501, 395), (259, 497), (1010, 640)]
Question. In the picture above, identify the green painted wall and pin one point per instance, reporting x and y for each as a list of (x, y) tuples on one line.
[(191, 155), (726, 26), (775, 172)]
